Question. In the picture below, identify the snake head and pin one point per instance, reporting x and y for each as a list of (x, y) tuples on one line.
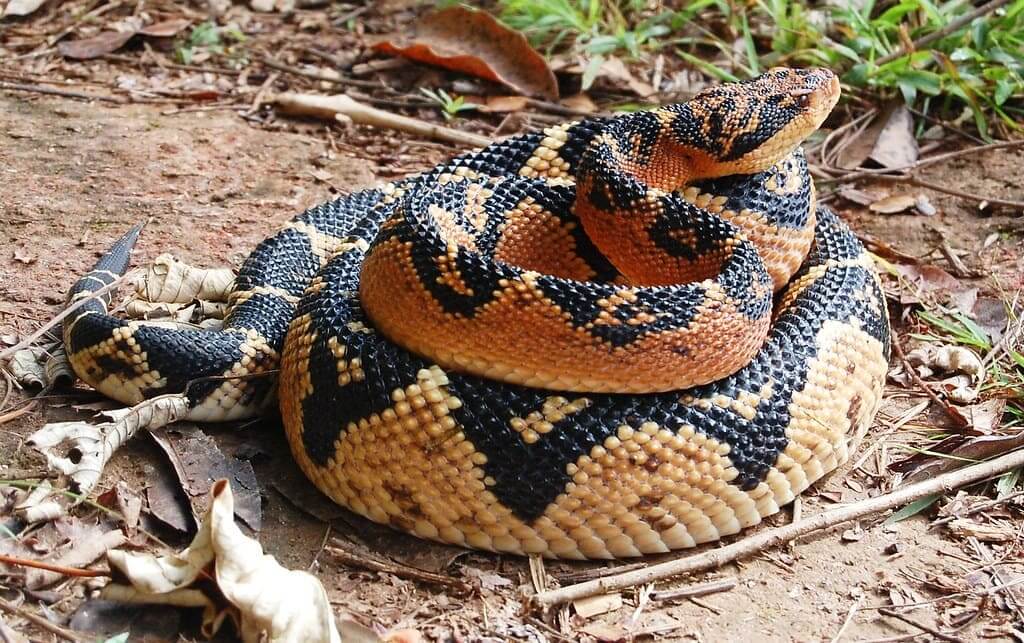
[(747, 127)]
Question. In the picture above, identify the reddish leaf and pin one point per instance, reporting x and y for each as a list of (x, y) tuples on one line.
[(165, 29), (475, 43), (100, 45)]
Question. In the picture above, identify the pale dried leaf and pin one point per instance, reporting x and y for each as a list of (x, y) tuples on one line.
[(21, 7), (170, 281), (948, 359), (81, 553), (600, 604), (271, 603), (893, 204), (896, 146)]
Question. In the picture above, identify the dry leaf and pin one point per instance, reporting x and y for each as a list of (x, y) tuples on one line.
[(594, 605), (269, 602), (475, 43), (614, 69), (21, 7), (503, 104), (580, 102), (896, 146), (100, 45), (893, 204), (166, 28), (22, 255)]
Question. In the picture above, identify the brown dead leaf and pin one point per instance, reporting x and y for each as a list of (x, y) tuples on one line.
[(166, 28), (199, 462), (21, 255), (990, 313), (888, 140), (580, 102), (104, 43), (606, 633), (893, 204), (493, 104), (929, 278), (615, 70), (475, 43)]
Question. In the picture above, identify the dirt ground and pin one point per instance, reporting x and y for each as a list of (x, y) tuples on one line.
[(211, 185)]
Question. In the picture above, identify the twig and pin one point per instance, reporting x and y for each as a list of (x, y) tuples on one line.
[(345, 108), (958, 419), (319, 75), (597, 572), (771, 537), (39, 89), (848, 619), (982, 506), (945, 31), (913, 180), (921, 626), (17, 413), (28, 341), (76, 572), (401, 571), (698, 589), (41, 622)]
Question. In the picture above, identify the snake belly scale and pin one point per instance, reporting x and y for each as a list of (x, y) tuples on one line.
[(613, 337)]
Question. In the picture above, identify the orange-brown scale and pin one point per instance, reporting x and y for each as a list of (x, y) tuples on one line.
[(521, 337)]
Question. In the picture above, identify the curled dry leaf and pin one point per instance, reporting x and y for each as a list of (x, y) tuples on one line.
[(170, 281), (475, 43), (21, 7), (266, 601), (947, 359)]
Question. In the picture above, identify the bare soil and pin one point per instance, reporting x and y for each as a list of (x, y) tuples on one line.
[(76, 175)]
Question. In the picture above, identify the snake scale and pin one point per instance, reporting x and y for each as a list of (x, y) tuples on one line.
[(613, 337)]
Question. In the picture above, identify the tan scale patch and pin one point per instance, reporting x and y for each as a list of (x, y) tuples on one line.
[(542, 421), (325, 246), (349, 370), (295, 383), (451, 230), (545, 161), (122, 347)]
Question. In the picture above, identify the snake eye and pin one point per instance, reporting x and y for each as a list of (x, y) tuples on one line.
[(801, 97)]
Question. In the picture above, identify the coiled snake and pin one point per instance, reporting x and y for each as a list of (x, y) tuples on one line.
[(564, 343)]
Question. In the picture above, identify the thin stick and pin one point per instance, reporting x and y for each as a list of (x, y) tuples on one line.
[(28, 341), (344, 109), (771, 537), (848, 620), (945, 31), (401, 571), (921, 626), (698, 589), (77, 572), (970, 196), (317, 75), (50, 91), (41, 622)]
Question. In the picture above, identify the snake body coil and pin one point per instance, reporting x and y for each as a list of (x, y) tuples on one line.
[(565, 343)]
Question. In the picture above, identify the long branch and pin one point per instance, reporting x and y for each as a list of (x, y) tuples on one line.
[(770, 537)]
